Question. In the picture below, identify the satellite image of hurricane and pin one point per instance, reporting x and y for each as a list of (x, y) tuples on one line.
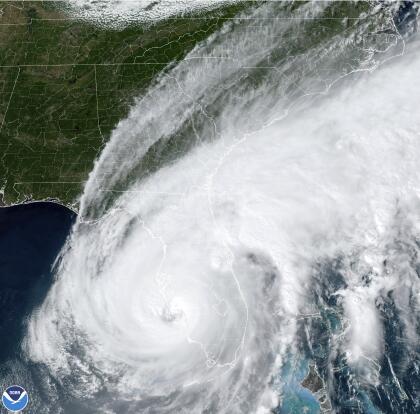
[(210, 207)]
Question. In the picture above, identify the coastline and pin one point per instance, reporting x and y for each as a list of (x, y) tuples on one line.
[(72, 208)]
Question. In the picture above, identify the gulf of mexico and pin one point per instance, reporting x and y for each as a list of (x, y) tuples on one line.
[(31, 236)]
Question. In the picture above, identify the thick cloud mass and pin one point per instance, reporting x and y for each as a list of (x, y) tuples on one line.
[(181, 284), (120, 13)]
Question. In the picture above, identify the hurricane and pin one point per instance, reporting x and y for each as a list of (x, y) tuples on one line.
[(263, 189)]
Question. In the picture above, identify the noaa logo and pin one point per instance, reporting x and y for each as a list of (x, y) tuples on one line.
[(15, 398)]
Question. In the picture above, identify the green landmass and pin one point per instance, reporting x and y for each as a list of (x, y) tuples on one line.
[(65, 84)]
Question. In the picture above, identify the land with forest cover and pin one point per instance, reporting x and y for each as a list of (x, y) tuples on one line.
[(65, 83)]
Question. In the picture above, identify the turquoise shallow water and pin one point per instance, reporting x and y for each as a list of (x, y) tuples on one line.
[(296, 398), (31, 237)]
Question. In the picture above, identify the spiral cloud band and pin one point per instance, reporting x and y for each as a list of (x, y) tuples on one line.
[(183, 282)]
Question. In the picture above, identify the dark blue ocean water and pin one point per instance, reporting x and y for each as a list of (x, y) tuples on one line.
[(31, 236)]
